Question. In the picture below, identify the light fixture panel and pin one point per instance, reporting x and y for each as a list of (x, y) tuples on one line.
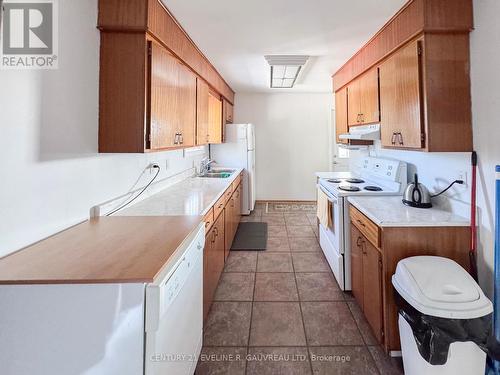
[(285, 69)]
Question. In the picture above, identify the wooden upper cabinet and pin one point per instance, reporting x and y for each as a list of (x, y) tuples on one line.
[(172, 101), (214, 118), (414, 18), (425, 95), (341, 114), (369, 108), (363, 102), (228, 112), (141, 16), (400, 98), (425, 100), (354, 103), (148, 91), (202, 123)]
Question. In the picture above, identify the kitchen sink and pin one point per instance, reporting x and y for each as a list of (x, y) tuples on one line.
[(219, 173), (216, 170)]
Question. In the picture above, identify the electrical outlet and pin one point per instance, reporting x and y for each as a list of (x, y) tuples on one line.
[(150, 167), (462, 175)]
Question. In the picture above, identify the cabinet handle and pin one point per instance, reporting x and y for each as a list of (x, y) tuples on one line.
[(181, 138), (216, 230), (176, 139), (359, 241), (357, 118), (393, 138), (362, 118), (363, 249), (400, 138), (361, 223)]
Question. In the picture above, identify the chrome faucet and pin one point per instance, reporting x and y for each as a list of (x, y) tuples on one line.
[(205, 166)]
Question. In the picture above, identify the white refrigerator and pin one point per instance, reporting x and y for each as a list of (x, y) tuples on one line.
[(238, 151)]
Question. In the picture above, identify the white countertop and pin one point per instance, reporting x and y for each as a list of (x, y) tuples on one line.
[(192, 196), (391, 212)]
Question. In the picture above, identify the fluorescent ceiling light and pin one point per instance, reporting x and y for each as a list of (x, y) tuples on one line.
[(285, 69)]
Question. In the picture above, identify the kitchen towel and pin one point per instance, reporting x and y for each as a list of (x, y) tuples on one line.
[(324, 212)]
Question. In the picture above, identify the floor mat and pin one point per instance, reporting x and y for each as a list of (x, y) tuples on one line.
[(250, 236)]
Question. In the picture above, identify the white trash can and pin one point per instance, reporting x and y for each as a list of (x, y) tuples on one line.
[(444, 317)]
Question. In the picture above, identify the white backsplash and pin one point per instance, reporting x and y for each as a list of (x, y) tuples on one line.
[(436, 171)]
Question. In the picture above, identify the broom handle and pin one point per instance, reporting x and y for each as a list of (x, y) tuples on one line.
[(473, 234)]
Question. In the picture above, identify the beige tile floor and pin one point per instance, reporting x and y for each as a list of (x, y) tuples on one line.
[(280, 311)]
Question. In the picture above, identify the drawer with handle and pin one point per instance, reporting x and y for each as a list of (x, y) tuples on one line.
[(219, 205), (236, 182), (228, 193), (369, 229), (209, 219)]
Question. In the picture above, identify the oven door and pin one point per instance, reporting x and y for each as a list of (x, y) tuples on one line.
[(335, 232), (331, 239)]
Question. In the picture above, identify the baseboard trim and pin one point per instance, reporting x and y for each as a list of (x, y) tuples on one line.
[(285, 201)]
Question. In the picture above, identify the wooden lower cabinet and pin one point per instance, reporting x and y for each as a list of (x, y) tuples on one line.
[(232, 217), (218, 240), (213, 262), (372, 266), (366, 265)]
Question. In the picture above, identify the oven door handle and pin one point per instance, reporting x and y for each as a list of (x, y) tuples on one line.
[(331, 198)]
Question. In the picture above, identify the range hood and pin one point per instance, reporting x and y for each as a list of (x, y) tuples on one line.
[(363, 133)]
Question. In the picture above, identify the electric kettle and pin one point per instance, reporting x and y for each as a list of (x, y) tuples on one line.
[(417, 195)]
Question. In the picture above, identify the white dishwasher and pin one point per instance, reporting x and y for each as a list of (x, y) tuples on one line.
[(174, 315)]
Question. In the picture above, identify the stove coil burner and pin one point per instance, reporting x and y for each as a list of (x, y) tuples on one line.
[(373, 188), (335, 180), (355, 180), (349, 188)]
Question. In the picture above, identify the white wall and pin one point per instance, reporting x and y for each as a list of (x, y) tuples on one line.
[(50, 171), (485, 60), (292, 141)]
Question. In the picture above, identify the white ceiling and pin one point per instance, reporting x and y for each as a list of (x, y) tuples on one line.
[(236, 34)]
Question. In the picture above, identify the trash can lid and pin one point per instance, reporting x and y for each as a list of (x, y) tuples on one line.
[(440, 287)]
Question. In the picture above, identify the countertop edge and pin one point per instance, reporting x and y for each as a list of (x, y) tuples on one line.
[(386, 224), (163, 269)]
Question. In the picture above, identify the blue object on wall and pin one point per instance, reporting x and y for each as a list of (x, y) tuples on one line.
[(494, 366)]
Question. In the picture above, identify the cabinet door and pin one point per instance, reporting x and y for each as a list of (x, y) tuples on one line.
[(239, 204), (209, 283), (341, 114), (354, 103), (400, 99), (172, 101), (219, 245), (228, 228), (357, 265), (215, 118), (163, 122), (369, 103), (228, 112), (372, 288), (186, 99), (201, 112)]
